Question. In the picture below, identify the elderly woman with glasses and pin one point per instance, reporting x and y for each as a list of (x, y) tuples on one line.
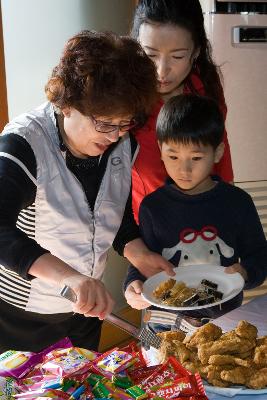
[(65, 171)]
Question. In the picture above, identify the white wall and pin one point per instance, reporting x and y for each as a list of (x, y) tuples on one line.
[(34, 34)]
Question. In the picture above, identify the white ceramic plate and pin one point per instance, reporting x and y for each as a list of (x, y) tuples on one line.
[(229, 284), (233, 391)]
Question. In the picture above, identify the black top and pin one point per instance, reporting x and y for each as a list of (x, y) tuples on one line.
[(220, 225), (17, 250)]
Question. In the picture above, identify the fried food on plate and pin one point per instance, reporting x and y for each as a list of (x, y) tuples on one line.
[(206, 333), (175, 348), (260, 356), (258, 380), (222, 359), (237, 375), (237, 357), (172, 335), (234, 346), (246, 330), (261, 340), (164, 287), (214, 375)]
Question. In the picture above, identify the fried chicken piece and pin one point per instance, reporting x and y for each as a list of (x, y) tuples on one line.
[(234, 346), (261, 340), (166, 349), (174, 348), (181, 351), (222, 359), (194, 357), (214, 375), (196, 367), (246, 330), (260, 356), (246, 354), (193, 367), (258, 380), (163, 288), (231, 335), (172, 335), (237, 375), (206, 333)]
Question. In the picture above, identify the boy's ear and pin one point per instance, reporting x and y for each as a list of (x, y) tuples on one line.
[(159, 145), (219, 153)]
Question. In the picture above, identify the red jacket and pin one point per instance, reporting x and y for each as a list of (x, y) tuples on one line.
[(149, 173)]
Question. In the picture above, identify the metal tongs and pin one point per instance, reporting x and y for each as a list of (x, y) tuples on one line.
[(176, 321), (144, 335)]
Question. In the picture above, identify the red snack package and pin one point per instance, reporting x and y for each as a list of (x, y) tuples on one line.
[(140, 374), (190, 385), (131, 348), (169, 371)]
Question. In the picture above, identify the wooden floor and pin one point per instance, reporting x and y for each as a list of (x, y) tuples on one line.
[(113, 337)]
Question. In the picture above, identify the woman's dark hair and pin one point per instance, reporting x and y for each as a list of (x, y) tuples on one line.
[(188, 15), (103, 74), (189, 118)]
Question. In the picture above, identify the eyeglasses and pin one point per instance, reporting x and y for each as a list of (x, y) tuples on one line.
[(104, 127)]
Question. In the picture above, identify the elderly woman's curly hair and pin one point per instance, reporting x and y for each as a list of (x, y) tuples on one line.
[(103, 74)]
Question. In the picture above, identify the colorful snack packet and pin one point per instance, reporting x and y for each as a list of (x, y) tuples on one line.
[(101, 391), (137, 393), (166, 372), (190, 385), (122, 382), (17, 363), (66, 362), (8, 388), (140, 374), (48, 393), (114, 361)]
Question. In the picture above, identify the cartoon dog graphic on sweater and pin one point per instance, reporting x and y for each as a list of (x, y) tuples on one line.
[(199, 247)]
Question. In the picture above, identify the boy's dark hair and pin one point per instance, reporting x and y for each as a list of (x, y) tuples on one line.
[(186, 14), (190, 118)]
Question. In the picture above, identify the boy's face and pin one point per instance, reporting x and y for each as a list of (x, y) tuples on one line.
[(190, 165)]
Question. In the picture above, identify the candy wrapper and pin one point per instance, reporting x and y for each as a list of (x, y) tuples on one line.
[(190, 385), (19, 363), (47, 393), (78, 374), (8, 388), (66, 362), (114, 360), (167, 372)]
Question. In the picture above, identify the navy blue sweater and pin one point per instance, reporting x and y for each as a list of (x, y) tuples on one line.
[(219, 227)]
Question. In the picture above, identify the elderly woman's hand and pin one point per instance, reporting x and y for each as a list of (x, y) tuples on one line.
[(93, 299), (146, 261), (133, 295)]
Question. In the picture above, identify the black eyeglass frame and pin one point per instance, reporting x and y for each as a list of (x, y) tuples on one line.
[(104, 127)]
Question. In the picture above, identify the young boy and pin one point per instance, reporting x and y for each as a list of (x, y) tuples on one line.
[(193, 209)]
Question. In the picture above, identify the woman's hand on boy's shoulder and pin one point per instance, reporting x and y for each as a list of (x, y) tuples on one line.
[(237, 268), (133, 295)]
